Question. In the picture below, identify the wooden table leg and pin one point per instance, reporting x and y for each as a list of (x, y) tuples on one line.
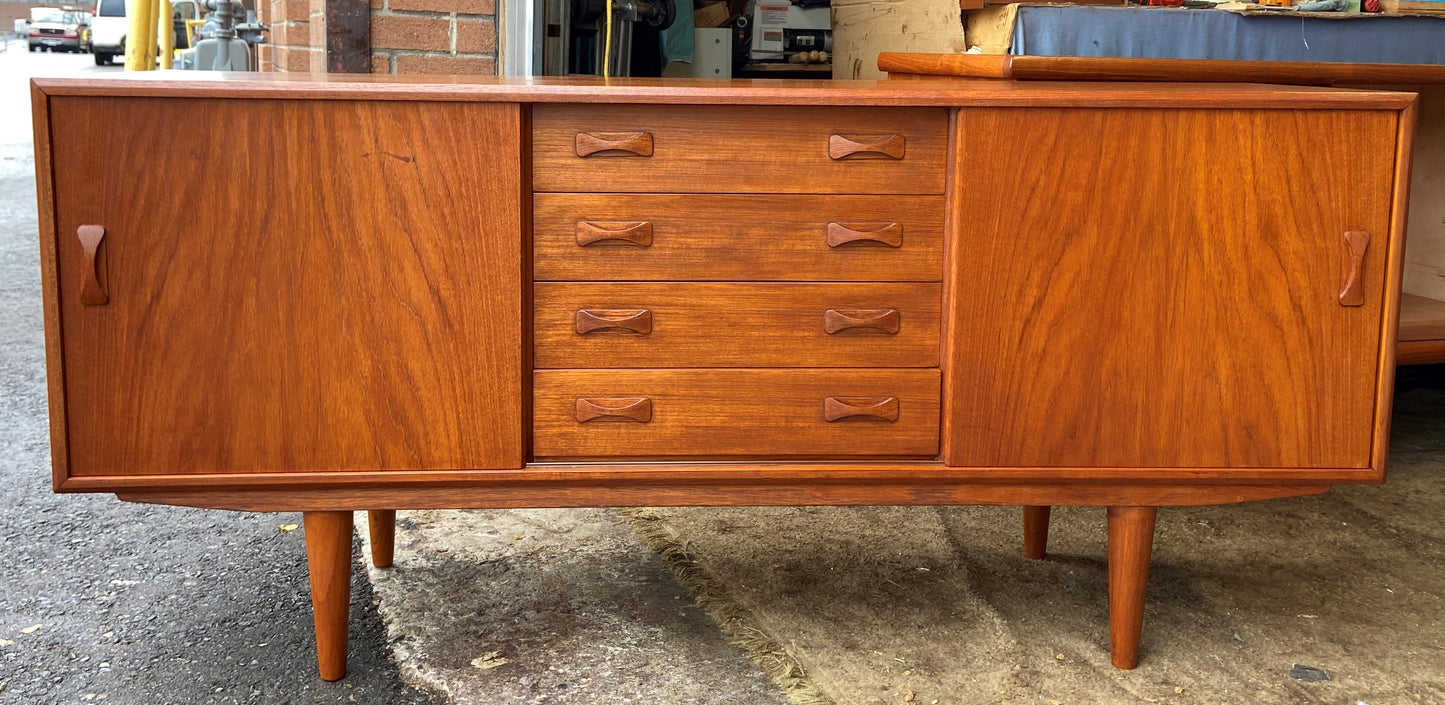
[(382, 526), (328, 555), (1036, 531), (1131, 539)]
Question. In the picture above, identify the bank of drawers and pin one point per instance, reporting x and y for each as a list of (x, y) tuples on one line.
[(762, 282)]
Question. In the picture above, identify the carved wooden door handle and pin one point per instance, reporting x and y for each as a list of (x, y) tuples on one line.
[(603, 233), (884, 319), (1352, 291), (890, 234), (637, 320), (839, 408), (637, 409), (614, 144), (866, 146), (92, 293)]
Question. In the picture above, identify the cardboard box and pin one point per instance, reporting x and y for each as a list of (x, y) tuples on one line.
[(714, 15), (863, 28)]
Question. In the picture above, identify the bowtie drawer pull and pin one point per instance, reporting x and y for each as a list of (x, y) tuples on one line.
[(1352, 292), (609, 233), (637, 409), (92, 293), (638, 320), (839, 408), (882, 319), (890, 234), (866, 147), (614, 144)]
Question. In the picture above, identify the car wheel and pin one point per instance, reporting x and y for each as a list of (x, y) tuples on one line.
[(102, 60), (34, 48)]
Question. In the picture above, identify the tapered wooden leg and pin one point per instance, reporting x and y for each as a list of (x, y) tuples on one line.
[(1036, 531), (1131, 539), (382, 525), (328, 555)]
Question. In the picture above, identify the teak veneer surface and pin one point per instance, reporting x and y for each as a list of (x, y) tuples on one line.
[(737, 325), (322, 318), (716, 413), (739, 149), (671, 91), (699, 237), (1195, 323)]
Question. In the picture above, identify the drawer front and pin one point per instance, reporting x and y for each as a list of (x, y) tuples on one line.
[(821, 413), (589, 237), (736, 325), (679, 149)]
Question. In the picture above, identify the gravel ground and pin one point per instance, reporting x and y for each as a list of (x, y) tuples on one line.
[(137, 604)]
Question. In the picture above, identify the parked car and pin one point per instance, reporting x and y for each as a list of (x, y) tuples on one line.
[(53, 29), (107, 31)]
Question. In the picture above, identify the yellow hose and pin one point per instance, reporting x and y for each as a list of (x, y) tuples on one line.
[(607, 48)]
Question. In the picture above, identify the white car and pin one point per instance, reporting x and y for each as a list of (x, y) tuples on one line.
[(107, 31)]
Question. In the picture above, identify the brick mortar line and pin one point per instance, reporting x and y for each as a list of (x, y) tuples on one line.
[(432, 14), (438, 54)]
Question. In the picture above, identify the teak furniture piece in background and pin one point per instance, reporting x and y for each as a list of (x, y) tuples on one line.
[(499, 293)]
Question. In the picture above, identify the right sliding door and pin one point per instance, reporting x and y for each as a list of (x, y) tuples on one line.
[(1168, 288)]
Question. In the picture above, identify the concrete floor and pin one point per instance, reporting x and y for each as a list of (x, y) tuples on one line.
[(141, 604)]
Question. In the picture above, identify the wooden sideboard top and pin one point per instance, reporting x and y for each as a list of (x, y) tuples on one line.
[(954, 92)]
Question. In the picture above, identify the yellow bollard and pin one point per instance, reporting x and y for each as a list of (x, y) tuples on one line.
[(140, 37), (167, 33)]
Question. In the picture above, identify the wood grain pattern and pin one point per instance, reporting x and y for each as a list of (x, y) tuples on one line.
[(736, 325), (784, 150), (1081, 68), (1420, 352), (734, 471), (548, 90), (1090, 329), (1394, 282), (1131, 541), (1421, 318), (721, 413), (795, 493), (50, 288), (381, 524), (339, 325), (743, 238), (1036, 531), (328, 558)]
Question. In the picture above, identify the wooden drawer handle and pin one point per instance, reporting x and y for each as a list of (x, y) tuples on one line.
[(637, 409), (91, 291), (839, 408), (637, 320), (614, 144), (608, 233), (1352, 292), (890, 234), (866, 146), (884, 319)]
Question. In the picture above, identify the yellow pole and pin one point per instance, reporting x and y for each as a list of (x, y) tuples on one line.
[(135, 14), (167, 32)]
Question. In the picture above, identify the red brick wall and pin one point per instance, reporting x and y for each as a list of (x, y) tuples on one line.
[(434, 36), (407, 36)]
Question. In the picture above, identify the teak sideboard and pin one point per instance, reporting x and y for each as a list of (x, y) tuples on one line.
[(377, 294)]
